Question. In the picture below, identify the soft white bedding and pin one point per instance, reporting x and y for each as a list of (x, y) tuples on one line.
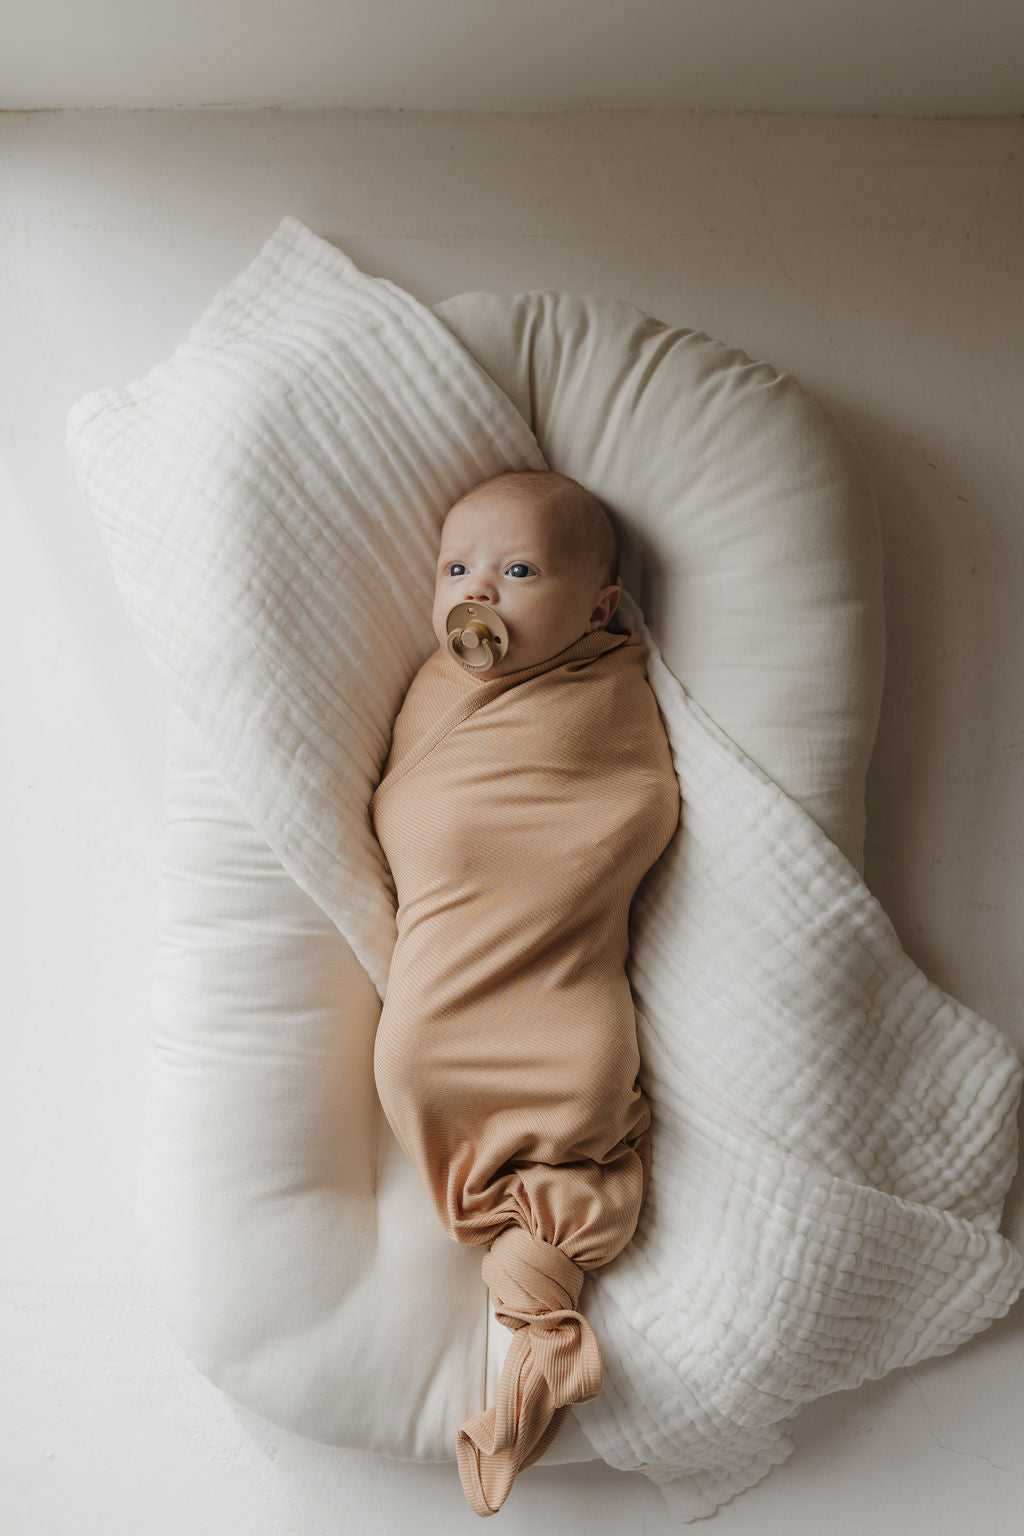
[(834, 1136)]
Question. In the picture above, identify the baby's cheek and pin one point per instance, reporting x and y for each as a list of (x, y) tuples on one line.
[(439, 613)]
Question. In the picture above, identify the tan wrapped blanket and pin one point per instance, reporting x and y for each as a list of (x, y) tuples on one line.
[(518, 816)]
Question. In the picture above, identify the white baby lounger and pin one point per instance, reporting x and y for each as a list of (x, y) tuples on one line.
[(833, 1138)]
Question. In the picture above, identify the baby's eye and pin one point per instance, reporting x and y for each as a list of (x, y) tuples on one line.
[(519, 569), (456, 568)]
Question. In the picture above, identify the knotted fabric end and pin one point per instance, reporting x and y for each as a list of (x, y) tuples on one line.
[(553, 1361)]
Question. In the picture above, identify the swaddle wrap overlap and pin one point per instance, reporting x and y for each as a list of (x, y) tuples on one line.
[(518, 815)]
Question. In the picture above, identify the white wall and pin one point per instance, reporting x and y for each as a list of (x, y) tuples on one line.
[(879, 260), (932, 58)]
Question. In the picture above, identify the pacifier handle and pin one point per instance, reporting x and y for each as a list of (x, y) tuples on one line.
[(477, 638)]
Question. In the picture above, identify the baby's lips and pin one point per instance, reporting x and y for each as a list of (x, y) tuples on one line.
[(477, 636)]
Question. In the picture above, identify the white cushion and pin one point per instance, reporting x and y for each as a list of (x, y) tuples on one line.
[(747, 518), (299, 1262)]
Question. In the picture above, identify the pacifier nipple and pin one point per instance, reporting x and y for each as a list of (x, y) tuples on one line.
[(477, 637)]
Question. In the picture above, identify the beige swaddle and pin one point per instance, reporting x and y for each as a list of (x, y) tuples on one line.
[(518, 816)]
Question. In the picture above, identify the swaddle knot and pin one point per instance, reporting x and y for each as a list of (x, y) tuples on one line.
[(530, 1280), (553, 1361)]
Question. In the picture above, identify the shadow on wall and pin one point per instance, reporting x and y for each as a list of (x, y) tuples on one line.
[(942, 789), (943, 793)]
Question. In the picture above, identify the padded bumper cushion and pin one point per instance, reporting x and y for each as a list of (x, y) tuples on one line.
[(298, 1260)]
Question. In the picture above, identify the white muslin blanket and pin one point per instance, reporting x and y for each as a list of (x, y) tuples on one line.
[(833, 1136)]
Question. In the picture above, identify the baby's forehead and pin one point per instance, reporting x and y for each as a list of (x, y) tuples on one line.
[(507, 512)]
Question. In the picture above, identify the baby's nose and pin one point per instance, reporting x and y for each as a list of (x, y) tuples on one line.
[(481, 590)]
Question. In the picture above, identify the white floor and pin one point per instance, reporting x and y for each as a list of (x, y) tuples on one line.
[(878, 260)]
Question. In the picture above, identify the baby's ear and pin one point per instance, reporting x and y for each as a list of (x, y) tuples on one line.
[(605, 607)]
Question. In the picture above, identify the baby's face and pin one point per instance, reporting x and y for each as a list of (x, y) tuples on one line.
[(504, 550)]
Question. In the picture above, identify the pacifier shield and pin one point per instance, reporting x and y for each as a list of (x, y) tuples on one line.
[(477, 637)]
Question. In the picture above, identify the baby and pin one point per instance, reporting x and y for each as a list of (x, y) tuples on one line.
[(528, 790)]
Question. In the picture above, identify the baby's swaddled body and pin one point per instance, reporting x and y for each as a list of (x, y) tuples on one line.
[(518, 815)]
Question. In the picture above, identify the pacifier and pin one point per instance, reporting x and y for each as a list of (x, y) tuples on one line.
[(477, 637)]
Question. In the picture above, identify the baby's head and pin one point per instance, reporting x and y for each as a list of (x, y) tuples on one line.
[(537, 549)]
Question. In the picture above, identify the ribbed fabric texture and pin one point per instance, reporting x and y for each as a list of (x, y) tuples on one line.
[(553, 1361), (518, 816), (267, 495)]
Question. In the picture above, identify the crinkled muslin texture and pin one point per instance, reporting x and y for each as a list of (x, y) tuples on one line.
[(832, 1135), (518, 815)]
